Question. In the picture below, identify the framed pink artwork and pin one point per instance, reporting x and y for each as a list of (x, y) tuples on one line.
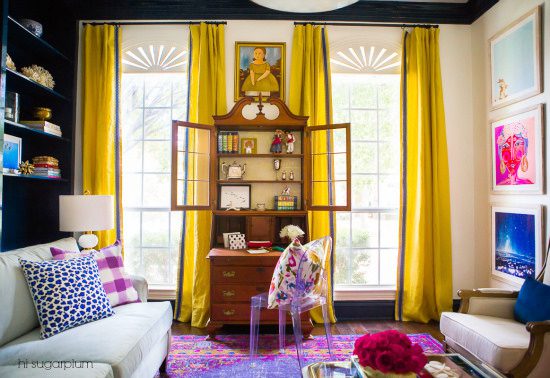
[(517, 144)]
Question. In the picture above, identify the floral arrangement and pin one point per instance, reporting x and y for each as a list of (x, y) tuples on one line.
[(389, 352), (39, 74), (292, 232)]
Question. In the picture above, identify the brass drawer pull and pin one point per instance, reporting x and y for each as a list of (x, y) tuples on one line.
[(228, 293), (229, 274), (229, 312)]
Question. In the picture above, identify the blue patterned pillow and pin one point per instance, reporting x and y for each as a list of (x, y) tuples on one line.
[(66, 293)]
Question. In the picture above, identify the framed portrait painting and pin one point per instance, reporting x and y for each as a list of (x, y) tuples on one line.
[(516, 60), (516, 243), (260, 68), (517, 143)]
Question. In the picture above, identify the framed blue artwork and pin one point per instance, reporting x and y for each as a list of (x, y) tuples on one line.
[(11, 153), (516, 243), (515, 60)]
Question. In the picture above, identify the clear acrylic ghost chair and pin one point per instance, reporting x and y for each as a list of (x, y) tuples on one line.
[(302, 299)]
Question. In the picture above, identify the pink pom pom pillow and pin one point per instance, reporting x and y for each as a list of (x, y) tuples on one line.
[(116, 282)]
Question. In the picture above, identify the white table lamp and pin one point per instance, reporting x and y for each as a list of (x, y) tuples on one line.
[(86, 213)]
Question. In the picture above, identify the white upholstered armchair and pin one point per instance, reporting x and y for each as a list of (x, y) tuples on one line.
[(484, 328)]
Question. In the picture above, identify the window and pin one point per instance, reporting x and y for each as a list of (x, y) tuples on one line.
[(365, 92), (153, 93)]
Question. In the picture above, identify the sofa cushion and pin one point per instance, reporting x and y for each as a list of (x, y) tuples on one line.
[(17, 313), (533, 303), (500, 342), (121, 340), (66, 293), (116, 282), (84, 370)]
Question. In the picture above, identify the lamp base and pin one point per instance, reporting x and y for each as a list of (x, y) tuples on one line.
[(88, 241)]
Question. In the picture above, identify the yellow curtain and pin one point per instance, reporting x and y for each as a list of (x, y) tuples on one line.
[(206, 98), (310, 95), (100, 138), (424, 287)]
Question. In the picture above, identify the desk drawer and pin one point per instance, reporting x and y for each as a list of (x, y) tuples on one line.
[(230, 311), (241, 274), (237, 293)]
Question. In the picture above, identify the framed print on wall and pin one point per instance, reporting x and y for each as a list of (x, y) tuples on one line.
[(516, 243), (517, 143), (260, 68), (516, 60)]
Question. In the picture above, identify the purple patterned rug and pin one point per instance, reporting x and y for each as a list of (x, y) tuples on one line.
[(193, 356)]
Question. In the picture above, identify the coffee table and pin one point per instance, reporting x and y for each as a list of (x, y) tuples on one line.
[(347, 369)]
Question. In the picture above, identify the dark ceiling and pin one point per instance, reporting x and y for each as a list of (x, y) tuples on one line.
[(363, 10)]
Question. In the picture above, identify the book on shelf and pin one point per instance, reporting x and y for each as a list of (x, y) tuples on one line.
[(228, 142), (44, 126)]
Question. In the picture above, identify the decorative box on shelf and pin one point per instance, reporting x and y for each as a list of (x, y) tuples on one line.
[(283, 202)]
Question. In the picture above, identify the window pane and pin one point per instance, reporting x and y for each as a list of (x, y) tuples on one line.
[(388, 124), (364, 125), (132, 230), (155, 228), (156, 190), (156, 157), (365, 267), (389, 230), (131, 190), (158, 123), (364, 157), (158, 91), (132, 260), (389, 191), (342, 270), (363, 95), (364, 230), (389, 159), (132, 157), (388, 267), (343, 228), (364, 191), (156, 265)]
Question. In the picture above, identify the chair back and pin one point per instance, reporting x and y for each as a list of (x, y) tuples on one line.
[(312, 273)]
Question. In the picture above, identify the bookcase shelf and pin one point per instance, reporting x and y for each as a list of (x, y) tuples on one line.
[(275, 156), (15, 128), (259, 181), (34, 177), (25, 84)]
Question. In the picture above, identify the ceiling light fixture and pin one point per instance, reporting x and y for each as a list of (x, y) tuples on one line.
[(304, 6)]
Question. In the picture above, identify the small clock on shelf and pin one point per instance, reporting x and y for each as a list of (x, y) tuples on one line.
[(234, 197)]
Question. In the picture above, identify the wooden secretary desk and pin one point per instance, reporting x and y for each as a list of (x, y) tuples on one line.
[(320, 182)]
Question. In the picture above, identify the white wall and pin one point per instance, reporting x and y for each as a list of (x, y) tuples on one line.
[(497, 18)]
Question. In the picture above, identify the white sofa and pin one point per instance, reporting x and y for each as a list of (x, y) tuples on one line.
[(134, 342), (484, 328)]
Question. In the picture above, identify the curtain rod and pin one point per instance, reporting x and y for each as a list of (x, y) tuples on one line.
[(157, 23), (368, 24)]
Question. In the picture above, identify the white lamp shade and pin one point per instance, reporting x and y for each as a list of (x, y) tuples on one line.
[(86, 213)]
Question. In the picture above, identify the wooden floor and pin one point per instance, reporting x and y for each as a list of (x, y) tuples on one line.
[(340, 328)]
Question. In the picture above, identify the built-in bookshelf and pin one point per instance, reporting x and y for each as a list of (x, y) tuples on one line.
[(30, 202)]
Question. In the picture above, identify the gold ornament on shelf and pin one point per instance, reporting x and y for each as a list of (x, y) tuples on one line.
[(26, 168), (10, 64), (39, 74)]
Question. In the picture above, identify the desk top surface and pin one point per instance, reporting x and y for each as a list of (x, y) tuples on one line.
[(223, 252)]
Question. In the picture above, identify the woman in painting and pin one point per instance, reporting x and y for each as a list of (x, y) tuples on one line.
[(512, 149), (260, 79)]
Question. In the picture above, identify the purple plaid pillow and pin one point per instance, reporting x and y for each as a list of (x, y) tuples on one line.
[(116, 282)]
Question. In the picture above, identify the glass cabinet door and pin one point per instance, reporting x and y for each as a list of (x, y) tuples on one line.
[(191, 170), (329, 167)]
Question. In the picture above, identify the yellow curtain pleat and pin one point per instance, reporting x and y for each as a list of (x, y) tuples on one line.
[(424, 287), (206, 98), (100, 49), (310, 95)]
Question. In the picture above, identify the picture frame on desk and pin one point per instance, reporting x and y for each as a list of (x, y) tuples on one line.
[(234, 196), (11, 153)]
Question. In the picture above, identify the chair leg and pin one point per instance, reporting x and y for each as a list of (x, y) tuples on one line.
[(254, 331), (297, 326), (328, 332), (282, 330)]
